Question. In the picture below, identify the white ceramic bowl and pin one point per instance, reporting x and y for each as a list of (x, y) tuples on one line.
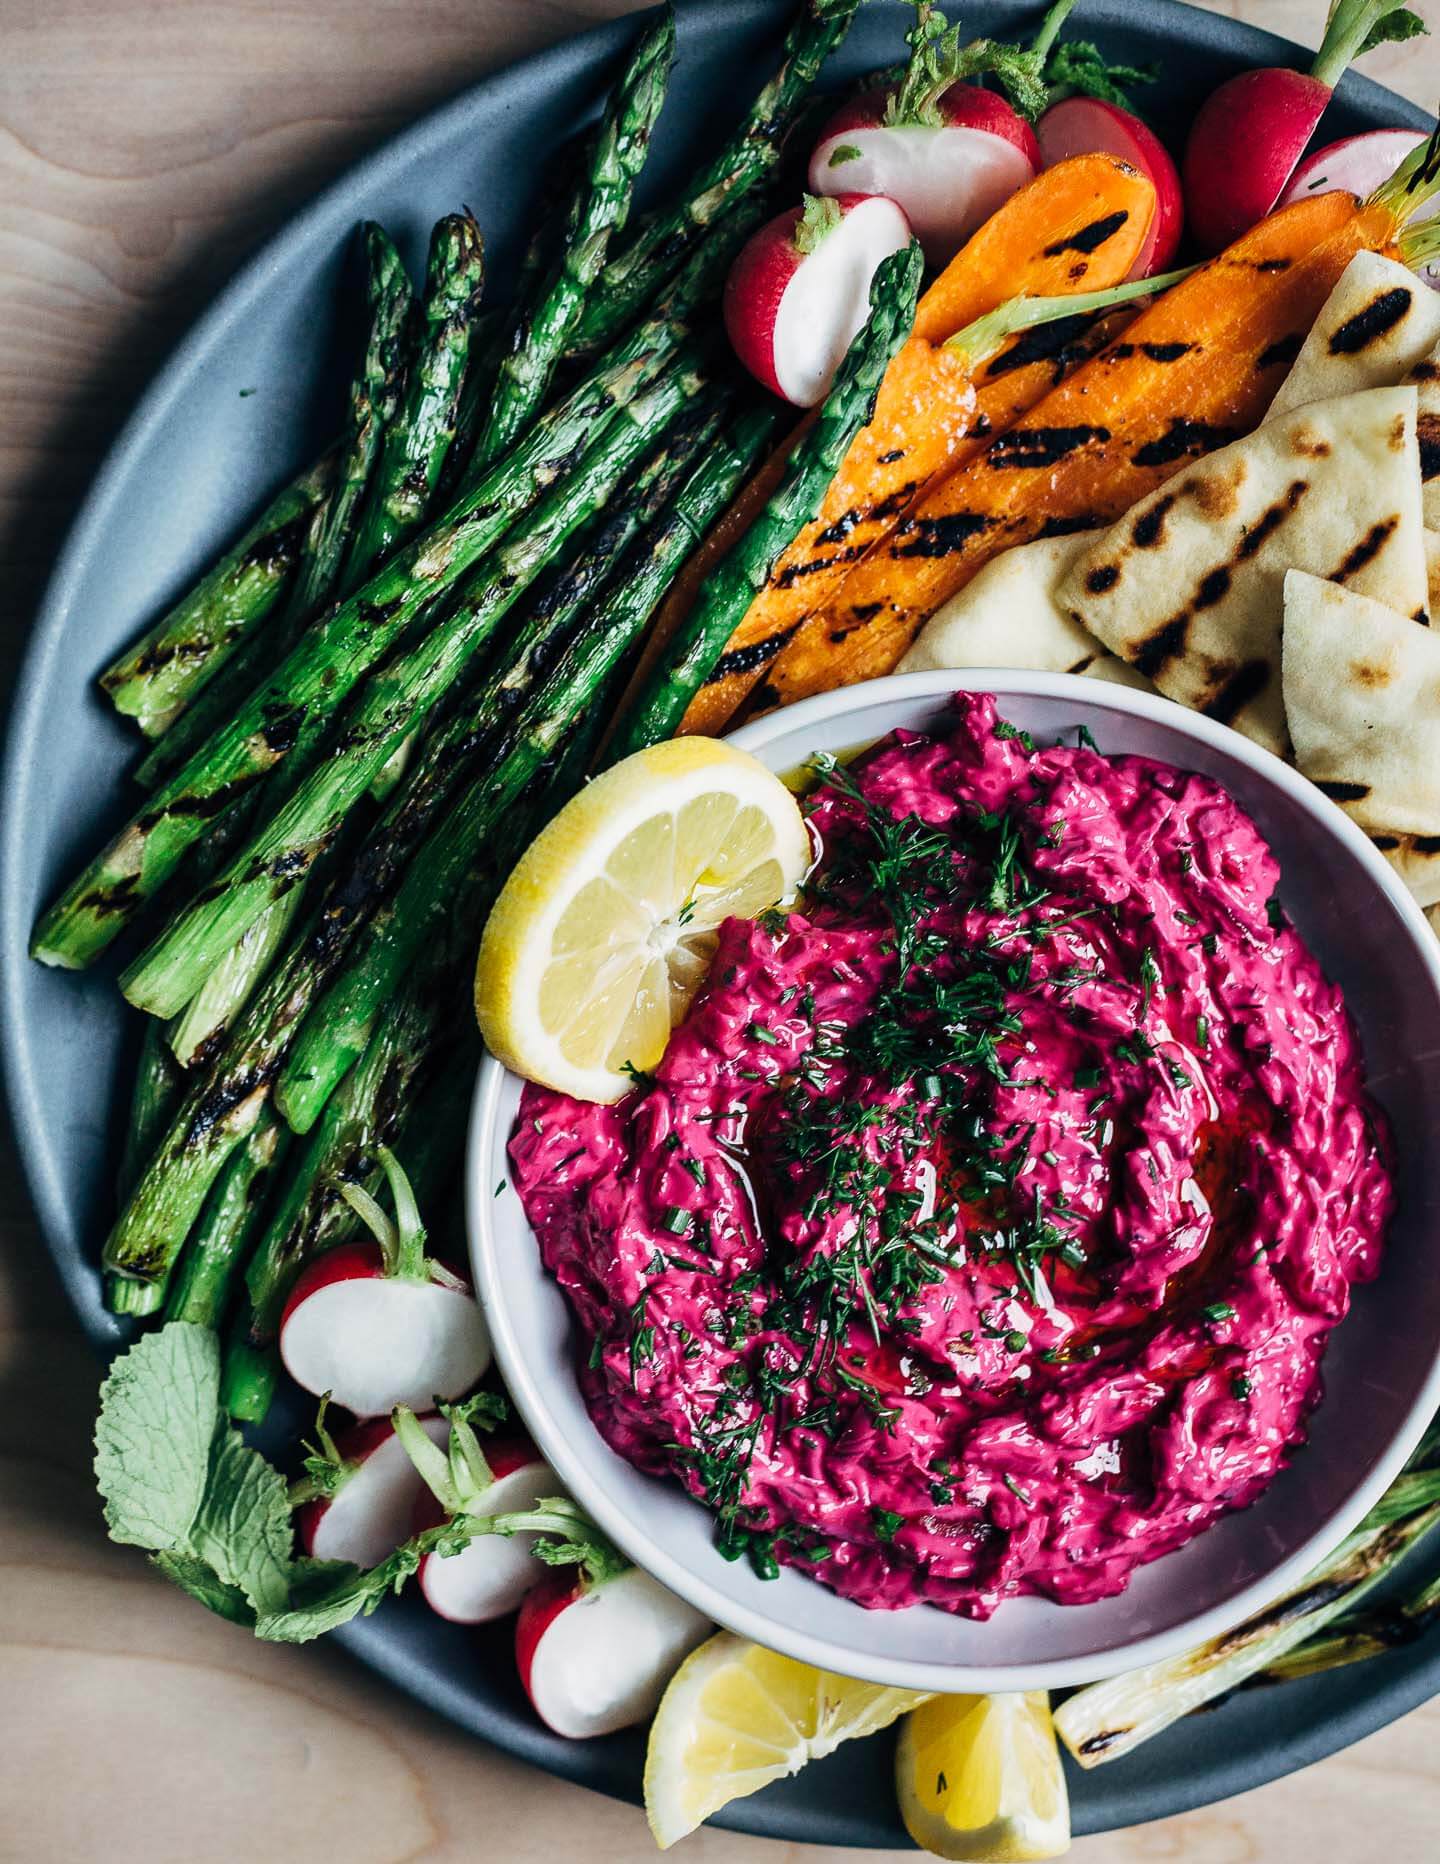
[(1382, 1371)]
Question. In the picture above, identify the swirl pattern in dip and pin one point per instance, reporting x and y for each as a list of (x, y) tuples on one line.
[(982, 1229)]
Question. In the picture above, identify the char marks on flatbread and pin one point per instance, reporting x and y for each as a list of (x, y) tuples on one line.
[(1008, 616), (1416, 859), (1378, 323), (1362, 702), (1426, 378), (1187, 586)]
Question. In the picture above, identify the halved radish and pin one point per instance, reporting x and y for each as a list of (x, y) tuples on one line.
[(595, 1655), (378, 1324), (488, 1578), (1092, 126), (1248, 135), (800, 289), (947, 174), (1358, 165), (364, 1510)]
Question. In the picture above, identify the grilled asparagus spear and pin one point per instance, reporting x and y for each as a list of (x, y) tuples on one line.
[(700, 640), (740, 170), (291, 710), (417, 441), (391, 703), (599, 210)]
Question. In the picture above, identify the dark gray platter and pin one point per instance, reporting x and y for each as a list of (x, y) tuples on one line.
[(248, 395)]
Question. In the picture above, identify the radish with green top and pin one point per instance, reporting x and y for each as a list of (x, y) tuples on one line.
[(950, 153), (489, 1577), (1249, 136), (1096, 126), (595, 1645), (1358, 165), (380, 1324), (947, 152), (1089, 113), (799, 289), (357, 1498)]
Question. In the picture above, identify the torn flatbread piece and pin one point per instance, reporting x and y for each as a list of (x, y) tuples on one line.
[(1362, 703), (1007, 616), (1378, 323), (1416, 859), (1187, 587)]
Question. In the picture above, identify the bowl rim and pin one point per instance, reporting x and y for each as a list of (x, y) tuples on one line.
[(485, 1152)]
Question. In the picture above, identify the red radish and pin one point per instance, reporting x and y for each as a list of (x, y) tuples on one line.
[(948, 174), (491, 1574), (1093, 126), (1248, 136), (595, 1653), (365, 1488), (800, 289), (378, 1324), (1358, 165)]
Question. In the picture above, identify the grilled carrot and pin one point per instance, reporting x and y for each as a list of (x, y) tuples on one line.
[(1196, 370), (1076, 227)]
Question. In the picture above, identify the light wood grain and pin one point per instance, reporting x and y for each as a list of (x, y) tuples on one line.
[(146, 146)]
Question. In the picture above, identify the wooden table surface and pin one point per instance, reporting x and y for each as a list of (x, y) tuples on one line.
[(146, 147)]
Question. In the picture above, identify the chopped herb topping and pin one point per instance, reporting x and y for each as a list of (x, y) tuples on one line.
[(887, 1524)]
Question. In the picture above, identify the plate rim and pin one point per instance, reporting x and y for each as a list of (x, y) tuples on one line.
[(1386, 1700)]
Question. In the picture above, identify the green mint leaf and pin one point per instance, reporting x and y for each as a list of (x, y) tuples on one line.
[(325, 1594), (195, 1577), (1393, 29), (820, 217), (158, 1411), (243, 1531)]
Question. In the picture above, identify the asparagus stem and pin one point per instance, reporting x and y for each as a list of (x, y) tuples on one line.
[(290, 711), (748, 160), (312, 1214), (157, 1085), (228, 984), (317, 1060), (222, 1109), (248, 1376), (416, 443), (698, 643), (392, 703), (198, 1030), (374, 396), (599, 210), (215, 1251), (465, 859), (137, 1299), (158, 677)]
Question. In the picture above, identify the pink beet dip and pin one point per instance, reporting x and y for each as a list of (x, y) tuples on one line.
[(983, 1227)]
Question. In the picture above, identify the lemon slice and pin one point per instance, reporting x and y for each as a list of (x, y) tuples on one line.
[(979, 1777), (604, 931), (735, 1717)]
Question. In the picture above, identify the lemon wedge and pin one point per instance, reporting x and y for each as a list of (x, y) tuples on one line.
[(979, 1777), (604, 931), (735, 1717)]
